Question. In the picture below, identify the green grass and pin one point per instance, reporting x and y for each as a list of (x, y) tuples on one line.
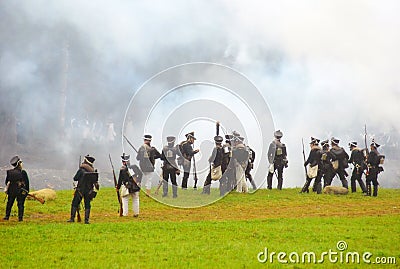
[(227, 234)]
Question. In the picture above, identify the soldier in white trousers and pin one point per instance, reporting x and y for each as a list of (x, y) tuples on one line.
[(129, 181)]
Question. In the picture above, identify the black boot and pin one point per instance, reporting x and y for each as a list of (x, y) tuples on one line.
[(306, 186), (253, 184), (174, 191), (73, 213), (269, 181), (318, 188), (20, 214), (87, 214), (375, 190), (280, 183), (353, 186), (362, 186), (206, 189), (165, 188)]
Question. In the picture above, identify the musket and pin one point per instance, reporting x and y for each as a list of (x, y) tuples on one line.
[(116, 184), (159, 184), (217, 127), (195, 173), (304, 156), (366, 149), (127, 140), (78, 214), (33, 196)]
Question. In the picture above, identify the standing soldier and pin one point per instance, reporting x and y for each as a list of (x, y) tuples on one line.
[(240, 157), (187, 153), (373, 168), (227, 170), (170, 168), (87, 178), (340, 161), (215, 160), (326, 163), (250, 165), (17, 187), (277, 157), (314, 160), (146, 156), (129, 179), (357, 159)]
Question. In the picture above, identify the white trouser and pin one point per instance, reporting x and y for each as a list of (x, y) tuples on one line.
[(147, 176), (241, 179), (135, 203)]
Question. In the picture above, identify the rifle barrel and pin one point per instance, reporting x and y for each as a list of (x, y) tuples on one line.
[(130, 144)]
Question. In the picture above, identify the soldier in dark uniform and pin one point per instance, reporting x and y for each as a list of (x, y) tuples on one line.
[(130, 177), (170, 168), (277, 157), (215, 160), (226, 167), (340, 161), (250, 165), (326, 163), (357, 159), (186, 153), (373, 168), (314, 159), (17, 187), (240, 156), (87, 178), (146, 156)]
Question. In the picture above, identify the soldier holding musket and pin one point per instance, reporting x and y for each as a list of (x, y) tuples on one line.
[(87, 178), (340, 161), (250, 165), (146, 156), (240, 156), (277, 157), (357, 159), (129, 180), (228, 172), (373, 161), (170, 168), (17, 187), (326, 163), (186, 154), (215, 160), (314, 160)]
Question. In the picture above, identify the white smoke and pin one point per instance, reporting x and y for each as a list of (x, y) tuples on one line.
[(326, 68)]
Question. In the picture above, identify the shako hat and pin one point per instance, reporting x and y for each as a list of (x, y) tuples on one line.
[(125, 158), (314, 141), (218, 139), (374, 144), (147, 137), (335, 141), (15, 160), (89, 159), (236, 133), (353, 144), (325, 143), (171, 139), (278, 134), (190, 135)]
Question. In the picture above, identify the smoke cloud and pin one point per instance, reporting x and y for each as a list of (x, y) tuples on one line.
[(69, 68)]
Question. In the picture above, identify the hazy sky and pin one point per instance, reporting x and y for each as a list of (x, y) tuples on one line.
[(325, 68)]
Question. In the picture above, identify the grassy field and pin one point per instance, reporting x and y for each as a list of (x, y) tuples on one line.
[(230, 233)]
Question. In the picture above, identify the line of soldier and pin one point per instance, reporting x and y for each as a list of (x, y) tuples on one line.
[(234, 158), (327, 162)]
